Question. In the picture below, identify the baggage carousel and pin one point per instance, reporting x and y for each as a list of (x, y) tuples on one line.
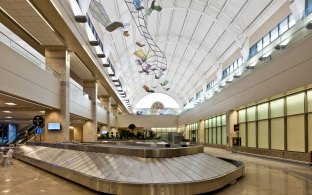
[(113, 173)]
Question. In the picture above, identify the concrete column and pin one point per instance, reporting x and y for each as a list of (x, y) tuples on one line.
[(78, 133), (201, 131), (114, 109), (106, 102), (90, 127), (231, 120), (58, 58), (187, 132)]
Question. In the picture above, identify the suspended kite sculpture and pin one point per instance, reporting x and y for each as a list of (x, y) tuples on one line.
[(147, 89), (126, 33), (164, 83), (152, 60), (146, 69), (137, 5), (139, 44), (113, 26), (153, 7)]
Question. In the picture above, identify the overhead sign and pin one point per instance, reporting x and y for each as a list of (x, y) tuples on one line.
[(38, 120)]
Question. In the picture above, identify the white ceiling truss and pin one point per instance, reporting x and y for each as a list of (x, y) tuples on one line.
[(195, 36)]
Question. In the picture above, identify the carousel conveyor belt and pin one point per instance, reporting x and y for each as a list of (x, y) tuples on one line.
[(110, 170)]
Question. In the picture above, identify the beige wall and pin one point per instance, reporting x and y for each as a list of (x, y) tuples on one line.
[(20, 77), (78, 134), (54, 136), (89, 132), (78, 104), (113, 121), (101, 114), (201, 131), (310, 132), (187, 132), (147, 121)]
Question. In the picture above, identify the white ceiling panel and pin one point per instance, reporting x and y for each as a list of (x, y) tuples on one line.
[(193, 34), (203, 28), (198, 5), (224, 19), (253, 9), (178, 20), (167, 3), (181, 50), (217, 3), (198, 58), (164, 25), (190, 52), (233, 7), (183, 3), (173, 38), (191, 23)]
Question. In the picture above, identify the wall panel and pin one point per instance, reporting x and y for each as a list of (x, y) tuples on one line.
[(277, 134)]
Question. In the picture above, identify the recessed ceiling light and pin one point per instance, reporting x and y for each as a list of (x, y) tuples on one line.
[(8, 117), (42, 111), (7, 111), (10, 104)]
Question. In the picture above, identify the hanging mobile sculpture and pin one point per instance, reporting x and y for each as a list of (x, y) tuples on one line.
[(153, 62)]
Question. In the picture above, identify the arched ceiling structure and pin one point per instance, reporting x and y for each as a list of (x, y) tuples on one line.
[(196, 36)]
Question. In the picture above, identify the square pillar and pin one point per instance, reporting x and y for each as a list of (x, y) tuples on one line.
[(58, 58), (201, 131), (106, 102), (231, 120), (90, 127)]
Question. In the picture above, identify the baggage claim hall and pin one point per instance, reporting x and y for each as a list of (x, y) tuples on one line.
[(155, 97)]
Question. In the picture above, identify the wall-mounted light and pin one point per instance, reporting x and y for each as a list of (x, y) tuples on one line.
[(280, 47), (252, 65), (94, 43), (114, 79), (117, 83), (81, 19), (309, 26), (111, 71), (265, 58)]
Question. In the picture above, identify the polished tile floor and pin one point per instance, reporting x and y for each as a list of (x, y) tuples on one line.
[(262, 176)]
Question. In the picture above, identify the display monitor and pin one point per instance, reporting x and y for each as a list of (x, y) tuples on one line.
[(54, 126)]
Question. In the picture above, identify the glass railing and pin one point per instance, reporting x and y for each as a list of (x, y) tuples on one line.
[(29, 56), (150, 111), (290, 38)]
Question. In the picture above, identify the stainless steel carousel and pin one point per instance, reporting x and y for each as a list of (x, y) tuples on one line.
[(135, 168)]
